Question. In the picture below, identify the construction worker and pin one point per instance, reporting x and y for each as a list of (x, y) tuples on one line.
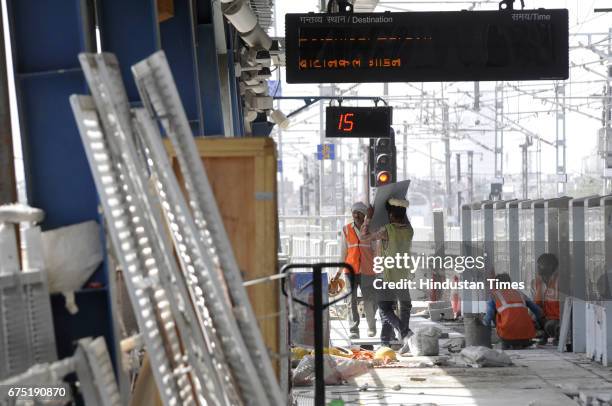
[(509, 310), (395, 239), (359, 255), (547, 296)]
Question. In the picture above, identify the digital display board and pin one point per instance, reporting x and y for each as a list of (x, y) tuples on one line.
[(427, 46), (358, 122)]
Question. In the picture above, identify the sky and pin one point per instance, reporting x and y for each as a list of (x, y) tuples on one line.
[(537, 115)]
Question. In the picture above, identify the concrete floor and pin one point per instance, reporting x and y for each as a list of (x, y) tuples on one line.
[(540, 377)]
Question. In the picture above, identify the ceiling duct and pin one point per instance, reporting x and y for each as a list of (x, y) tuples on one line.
[(263, 10), (364, 6)]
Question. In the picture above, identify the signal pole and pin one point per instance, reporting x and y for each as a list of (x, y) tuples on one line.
[(560, 141), (499, 132), (607, 122), (447, 159), (405, 150)]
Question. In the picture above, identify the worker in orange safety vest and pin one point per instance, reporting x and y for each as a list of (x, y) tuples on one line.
[(510, 310), (547, 296), (360, 256)]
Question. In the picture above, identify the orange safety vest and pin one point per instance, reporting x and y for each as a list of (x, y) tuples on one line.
[(547, 297), (512, 321), (354, 245)]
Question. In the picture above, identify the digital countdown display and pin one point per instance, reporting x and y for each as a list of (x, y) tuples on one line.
[(358, 122), (427, 46)]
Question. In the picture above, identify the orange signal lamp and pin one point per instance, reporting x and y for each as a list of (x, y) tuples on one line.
[(384, 178)]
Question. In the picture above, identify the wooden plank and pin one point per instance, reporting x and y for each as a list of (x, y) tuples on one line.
[(165, 10), (242, 174), (145, 389)]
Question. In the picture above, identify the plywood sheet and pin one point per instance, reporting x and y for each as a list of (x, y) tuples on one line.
[(242, 173)]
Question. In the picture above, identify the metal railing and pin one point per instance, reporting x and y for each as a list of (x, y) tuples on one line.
[(317, 238)]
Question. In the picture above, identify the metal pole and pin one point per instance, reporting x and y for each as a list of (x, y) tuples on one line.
[(317, 288), (366, 175), (499, 132), (607, 123), (560, 139), (458, 166), (322, 162), (405, 150), (343, 187), (470, 176), (7, 169), (447, 160), (431, 176), (18, 168), (525, 167)]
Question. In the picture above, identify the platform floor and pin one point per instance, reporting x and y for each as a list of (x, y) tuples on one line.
[(540, 377)]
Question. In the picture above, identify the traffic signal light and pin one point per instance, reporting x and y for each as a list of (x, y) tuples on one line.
[(383, 168)]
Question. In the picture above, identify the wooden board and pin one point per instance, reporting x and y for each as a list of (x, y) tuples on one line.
[(242, 173), (165, 10)]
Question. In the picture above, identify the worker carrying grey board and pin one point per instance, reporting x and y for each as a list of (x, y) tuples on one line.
[(547, 296), (509, 310), (395, 239), (359, 255)]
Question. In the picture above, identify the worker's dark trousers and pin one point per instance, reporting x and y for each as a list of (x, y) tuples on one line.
[(552, 328), (368, 295), (515, 344), (391, 321)]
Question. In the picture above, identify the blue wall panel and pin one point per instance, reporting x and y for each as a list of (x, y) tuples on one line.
[(47, 38), (129, 29), (237, 113), (47, 72), (208, 73), (177, 43), (49, 34), (60, 180)]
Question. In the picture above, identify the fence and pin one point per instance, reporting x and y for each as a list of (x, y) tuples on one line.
[(317, 239)]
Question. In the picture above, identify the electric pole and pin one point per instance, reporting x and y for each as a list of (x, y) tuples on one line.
[(560, 139), (405, 150), (447, 159), (499, 132), (607, 122)]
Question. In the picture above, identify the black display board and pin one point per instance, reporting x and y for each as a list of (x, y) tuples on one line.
[(427, 46), (358, 122)]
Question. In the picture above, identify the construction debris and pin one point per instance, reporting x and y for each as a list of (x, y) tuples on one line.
[(478, 357), (192, 310), (337, 370), (425, 342), (439, 311)]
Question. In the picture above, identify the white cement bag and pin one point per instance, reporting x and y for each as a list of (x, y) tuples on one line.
[(71, 254), (425, 342), (336, 370), (485, 357)]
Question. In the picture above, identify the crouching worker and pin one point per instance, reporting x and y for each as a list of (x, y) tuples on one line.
[(509, 310), (547, 296)]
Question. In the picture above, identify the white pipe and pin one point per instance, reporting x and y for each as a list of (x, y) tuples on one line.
[(240, 15), (257, 38)]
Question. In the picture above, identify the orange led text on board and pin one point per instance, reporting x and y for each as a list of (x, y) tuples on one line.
[(347, 64)]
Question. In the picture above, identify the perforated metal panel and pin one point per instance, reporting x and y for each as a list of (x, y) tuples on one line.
[(14, 346)]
